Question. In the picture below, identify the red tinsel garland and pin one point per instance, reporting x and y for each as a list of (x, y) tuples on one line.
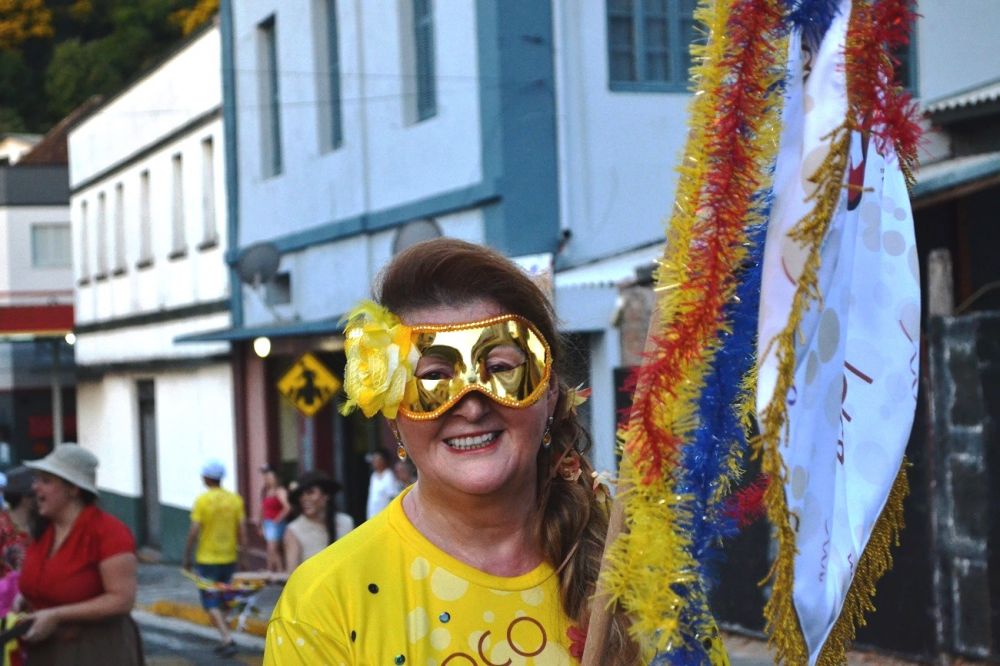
[(694, 318)]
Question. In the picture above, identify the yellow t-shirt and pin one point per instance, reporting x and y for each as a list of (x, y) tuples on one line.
[(219, 513), (384, 594)]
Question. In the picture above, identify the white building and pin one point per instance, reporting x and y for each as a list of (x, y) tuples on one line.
[(36, 311), (361, 125), (149, 217), (13, 145)]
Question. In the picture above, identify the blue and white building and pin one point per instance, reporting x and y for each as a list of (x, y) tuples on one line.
[(547, 130)]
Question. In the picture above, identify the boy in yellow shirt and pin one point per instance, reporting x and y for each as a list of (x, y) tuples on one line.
[(217, 526)]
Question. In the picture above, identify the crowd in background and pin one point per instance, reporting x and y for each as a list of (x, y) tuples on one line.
[(68, 568)]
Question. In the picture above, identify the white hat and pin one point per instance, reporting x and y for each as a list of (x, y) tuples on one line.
[(213, 469), (70, 462)]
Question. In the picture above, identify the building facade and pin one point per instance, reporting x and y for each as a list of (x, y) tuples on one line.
[(37, 406), (148, 207), (358, 127)]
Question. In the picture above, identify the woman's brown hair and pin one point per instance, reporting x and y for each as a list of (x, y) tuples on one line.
[(573, 520)]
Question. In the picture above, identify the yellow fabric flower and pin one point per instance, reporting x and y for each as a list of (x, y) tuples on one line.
[(380, 361)]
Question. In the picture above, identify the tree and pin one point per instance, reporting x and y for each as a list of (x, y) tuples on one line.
[(190, 19), (21, 20), (55, 54)]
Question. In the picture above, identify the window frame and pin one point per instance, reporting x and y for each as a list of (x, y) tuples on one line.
[(425, 103), (67, 262), (328, 79), (677, 49), (269, 89)]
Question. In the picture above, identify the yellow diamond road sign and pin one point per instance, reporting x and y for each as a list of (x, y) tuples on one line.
[(308, 384)]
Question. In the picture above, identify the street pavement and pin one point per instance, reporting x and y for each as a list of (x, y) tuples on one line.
[(168, 612)]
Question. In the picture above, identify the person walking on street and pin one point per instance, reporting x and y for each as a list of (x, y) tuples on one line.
[(274, 510), (383, 485), (217, 527), (79, 577)]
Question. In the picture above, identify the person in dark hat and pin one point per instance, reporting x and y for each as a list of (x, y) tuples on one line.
[(318, 524)]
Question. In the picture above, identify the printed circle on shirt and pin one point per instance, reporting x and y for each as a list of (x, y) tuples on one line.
[(533, 597), (420, 568), (524, 637), (447, 586), (418, 623), (440, 639)]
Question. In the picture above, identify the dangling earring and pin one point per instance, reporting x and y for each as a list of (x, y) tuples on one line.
[(400, 451), (547, 435)]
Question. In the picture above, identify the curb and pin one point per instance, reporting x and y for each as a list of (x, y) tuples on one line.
[(197, 615), (173, 625)]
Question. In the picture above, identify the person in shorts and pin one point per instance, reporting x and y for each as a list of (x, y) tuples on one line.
[(217, 527)]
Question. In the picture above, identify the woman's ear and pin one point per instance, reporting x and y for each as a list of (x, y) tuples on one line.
[(552, 395)]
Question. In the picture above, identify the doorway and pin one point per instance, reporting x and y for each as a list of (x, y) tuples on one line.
[(150, 527)]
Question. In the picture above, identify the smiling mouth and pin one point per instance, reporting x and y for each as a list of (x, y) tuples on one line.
[(472, 443)]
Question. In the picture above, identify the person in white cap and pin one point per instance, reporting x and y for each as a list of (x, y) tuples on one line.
[(79, 576), (217, 527)]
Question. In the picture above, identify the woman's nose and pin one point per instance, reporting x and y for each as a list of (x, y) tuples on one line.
[(472, 406)]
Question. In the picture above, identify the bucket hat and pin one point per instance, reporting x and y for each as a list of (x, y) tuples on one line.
[(70, 462)]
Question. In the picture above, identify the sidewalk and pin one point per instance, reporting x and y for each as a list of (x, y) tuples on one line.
[(167, 601)]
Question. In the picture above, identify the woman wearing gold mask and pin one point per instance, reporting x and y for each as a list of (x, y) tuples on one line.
[(492, 555)]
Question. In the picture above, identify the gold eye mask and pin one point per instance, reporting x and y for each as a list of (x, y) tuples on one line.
[(505, 358)]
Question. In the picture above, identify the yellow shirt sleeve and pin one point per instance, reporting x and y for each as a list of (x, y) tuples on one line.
[(293, 643)]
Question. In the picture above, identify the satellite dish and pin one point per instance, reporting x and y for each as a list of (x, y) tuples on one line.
[(414, 232), (258, 263)]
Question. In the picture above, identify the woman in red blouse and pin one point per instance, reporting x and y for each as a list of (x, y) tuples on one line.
[(79, 576)]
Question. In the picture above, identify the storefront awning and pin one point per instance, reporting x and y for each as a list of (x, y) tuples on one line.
[(329, 326), (955, 177), (586, 296), (27, 322)]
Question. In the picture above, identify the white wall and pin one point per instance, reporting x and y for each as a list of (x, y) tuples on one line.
[(107, 424), (185, 87), (136, 344), (384, 160), (617, 150), (956, 46), (328, 280), (200, 276), (194, 416), (16, 270), (194, 423)]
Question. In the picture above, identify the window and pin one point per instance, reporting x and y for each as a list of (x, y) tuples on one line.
[(648, 42), (102, 237), (119, 263), (51, 246), (210, 234), (178, 243), (328, 77), (905, 61), (270, 98), (145, 222), (423, 38), (84, 242)]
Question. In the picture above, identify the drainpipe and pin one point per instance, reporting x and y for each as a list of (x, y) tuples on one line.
[(57, 408), (237, 350)]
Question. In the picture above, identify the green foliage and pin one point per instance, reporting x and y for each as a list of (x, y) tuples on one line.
[(93, 47)]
